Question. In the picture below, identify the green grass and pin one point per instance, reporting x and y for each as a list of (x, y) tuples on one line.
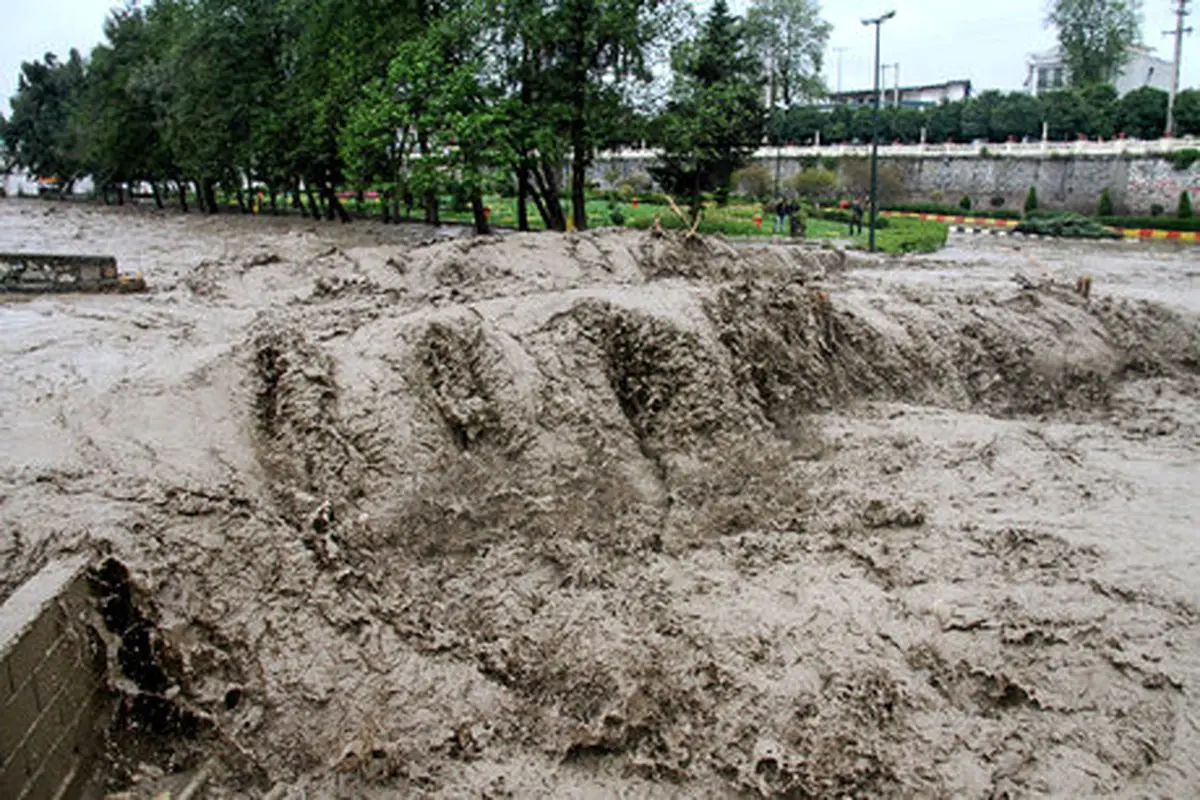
[(903, 235)]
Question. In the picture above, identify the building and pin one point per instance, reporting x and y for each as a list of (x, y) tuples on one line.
[(1045, 72), (916, 96)]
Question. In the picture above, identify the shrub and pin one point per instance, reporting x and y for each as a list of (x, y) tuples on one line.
[(635, 184), (1182, 159), (612, 175), (997, 201), (1031, 201), (813, 183), (964, 202), (753, 180), (949, 210), (1184, 211), (1157, 209), (1104, 208), (856, 178), (1154, 223), (937, 196), (1066, 224), (617, 216), (829, 163)]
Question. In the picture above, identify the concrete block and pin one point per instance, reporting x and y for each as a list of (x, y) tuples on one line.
[(21, 710), (61, 664)]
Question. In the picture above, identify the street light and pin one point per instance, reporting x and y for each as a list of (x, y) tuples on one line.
[(878, 23)]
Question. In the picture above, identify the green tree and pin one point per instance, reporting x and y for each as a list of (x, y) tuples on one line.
[(1184, 209), (1018, 115), (1095, 36), (1104, 208), (944, 121), (715, 117), (790, 36), (1065, 114), (38, 135), (1143, 113), (977, 115), (1187, 112), (1031, 200)]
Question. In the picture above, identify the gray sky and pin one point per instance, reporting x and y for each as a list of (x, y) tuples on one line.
[(933, 40)]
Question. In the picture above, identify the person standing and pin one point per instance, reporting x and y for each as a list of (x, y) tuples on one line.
[(781, 215), (856, 215)]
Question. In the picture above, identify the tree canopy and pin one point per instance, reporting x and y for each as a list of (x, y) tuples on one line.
[(1095, 36)]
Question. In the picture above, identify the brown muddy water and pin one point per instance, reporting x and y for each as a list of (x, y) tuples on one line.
[(606, 514)]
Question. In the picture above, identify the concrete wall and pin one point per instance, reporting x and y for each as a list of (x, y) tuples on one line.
[(1063, 179), (54, 708)]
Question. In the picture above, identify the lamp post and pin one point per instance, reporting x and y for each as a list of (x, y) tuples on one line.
[(878, 23)]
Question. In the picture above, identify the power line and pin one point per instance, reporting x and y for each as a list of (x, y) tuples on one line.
[(1181, 11)]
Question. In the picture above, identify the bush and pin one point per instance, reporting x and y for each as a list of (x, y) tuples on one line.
[(949, 210), (1182, 159), (937, 196), (1066, 224), (1154, 223), (844, 215), (635, 184), (813, 183), (997, 201), (1104, 208), (753, 181), (1184, 211), (617, 216), (856, 178), (1031, 200), (965, 203), (1157, 209)]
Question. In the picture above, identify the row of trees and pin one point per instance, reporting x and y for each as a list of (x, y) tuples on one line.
[(419, 98), (1092, 111)]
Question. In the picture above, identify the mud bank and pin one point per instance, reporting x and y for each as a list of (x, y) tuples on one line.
[(614, 514)]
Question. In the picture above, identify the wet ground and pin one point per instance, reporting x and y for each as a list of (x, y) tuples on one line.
[(605, 514)]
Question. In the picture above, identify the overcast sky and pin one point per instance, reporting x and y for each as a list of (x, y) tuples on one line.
[(933, 40)]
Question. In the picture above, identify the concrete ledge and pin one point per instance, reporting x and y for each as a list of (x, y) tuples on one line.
[(54, 707)]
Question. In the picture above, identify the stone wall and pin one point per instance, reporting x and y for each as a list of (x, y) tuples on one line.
[(54, 708), (1062, 181)]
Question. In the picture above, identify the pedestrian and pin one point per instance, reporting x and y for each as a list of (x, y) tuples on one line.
[(856, 216), (781, 213)]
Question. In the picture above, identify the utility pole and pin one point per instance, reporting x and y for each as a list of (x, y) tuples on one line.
[(878, 23), (839, 51), (1181, 11)]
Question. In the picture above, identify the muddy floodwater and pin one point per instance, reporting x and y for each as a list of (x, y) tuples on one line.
[(611, 514)]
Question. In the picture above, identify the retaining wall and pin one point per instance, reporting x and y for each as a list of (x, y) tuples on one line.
[(54, 708), (1135, 181)]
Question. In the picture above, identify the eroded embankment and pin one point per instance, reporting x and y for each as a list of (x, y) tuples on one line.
[(577, 527)]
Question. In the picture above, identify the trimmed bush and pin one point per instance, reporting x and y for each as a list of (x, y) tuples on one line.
[(949, 210), (1066, 224), (965, 203), (754, 181), (1184, 211), (1031, 200), (997, 201), (1104, 208), (1154, 223), (1157, 209)]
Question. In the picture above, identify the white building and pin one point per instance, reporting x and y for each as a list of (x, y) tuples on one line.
[(1045, 72), (929, 94)]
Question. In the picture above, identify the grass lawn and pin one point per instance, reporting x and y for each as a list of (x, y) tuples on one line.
[(903, 234)]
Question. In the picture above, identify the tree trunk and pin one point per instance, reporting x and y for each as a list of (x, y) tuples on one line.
[(182, 187), (385, 205), (550, 205), (579, 184), (274, 207), (120, 194), (522, 195), (210, 196), (335, 206), (313, 208), (296, 202), (482, 227), (242, 201), (158, 201)]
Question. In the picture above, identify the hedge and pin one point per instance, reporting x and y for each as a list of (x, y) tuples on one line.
[(952, 211), (1153, 223)]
